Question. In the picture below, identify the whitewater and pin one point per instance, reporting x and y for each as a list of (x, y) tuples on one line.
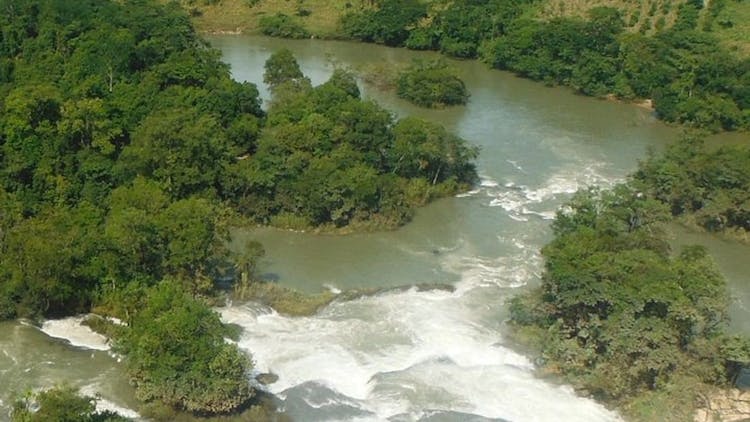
[(421, 355)]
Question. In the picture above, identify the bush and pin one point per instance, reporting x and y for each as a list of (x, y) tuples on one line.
[(617, 312), (60, 404), (282, 26), (388, 25), (421, 39), (432, 84), (176, 354)]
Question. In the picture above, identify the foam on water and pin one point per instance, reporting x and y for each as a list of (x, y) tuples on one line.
[(468, 193), (77, 334), (522, 201), (400, 354), (103, 404), (486, 182), (404, 352), (331, 288)]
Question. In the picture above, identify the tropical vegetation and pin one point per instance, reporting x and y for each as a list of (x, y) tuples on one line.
[(618, 312), (127, 152), (432, 84), (691, 77), (60, 404)]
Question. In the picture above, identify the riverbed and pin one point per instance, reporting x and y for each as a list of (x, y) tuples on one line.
[(407, 354)]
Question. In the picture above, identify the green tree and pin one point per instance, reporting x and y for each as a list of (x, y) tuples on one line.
[(432, 84), (176, 353), (61, 404), (617, 312), (282, 67), (181, 148), (423, 149)]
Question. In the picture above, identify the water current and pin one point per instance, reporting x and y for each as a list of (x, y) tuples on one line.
[(404, 354)]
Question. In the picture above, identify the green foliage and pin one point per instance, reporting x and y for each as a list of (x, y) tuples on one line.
[(283, 26), (329, 158), (618, 313), (125, 151), (711, 186), (389, 24), (117, 133), (574, 52), (432, 84), (114, 160), (689, 75), (456, 28), (282, 67), (61, 404), (50, 263), (176, 354), (688, 14)]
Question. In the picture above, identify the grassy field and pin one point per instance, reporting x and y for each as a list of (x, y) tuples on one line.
[(321, 17), (732, 26), (242, 16)]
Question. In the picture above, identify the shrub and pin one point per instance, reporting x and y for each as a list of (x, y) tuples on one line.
[(283, 26), (432, 84), (60, 404), (388, 25), (176, 354)]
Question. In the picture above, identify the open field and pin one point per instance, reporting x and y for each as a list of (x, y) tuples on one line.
[(732, 26), (243, 16)]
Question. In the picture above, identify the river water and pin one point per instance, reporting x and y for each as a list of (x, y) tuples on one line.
[(406, 354)]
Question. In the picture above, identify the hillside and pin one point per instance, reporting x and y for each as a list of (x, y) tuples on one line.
[(729, 20), (243, 16)]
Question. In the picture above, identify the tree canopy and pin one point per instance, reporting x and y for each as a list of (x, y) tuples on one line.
[(328, 157), (126, 152), (176, 354), (618, 312), (691, 78), (710, 186), (432, 84)]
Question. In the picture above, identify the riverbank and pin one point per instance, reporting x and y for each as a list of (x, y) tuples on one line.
[(627, 61), (321, 17)]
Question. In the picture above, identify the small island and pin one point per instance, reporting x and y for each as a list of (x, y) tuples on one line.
[(432, 84)]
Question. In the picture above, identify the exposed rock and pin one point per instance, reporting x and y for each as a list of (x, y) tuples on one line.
[(730, 405), (267, 378)]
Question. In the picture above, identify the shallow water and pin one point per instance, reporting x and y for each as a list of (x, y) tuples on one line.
[(405, 355), (409, 355), (32, 358), (733, 260)]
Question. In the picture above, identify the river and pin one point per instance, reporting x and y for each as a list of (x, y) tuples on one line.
[(405, 354)]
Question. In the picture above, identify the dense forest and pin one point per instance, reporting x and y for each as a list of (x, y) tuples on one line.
[(621, 314), (126, 154), (691, 78)]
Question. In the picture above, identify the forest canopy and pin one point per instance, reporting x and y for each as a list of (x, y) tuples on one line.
[(691, 78), (127, 152), (620, 313), (432, 84)]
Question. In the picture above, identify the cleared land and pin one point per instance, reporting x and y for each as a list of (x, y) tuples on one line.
[(243, 16)]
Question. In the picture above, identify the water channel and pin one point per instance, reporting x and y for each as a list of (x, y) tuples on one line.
[(405, 354)]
